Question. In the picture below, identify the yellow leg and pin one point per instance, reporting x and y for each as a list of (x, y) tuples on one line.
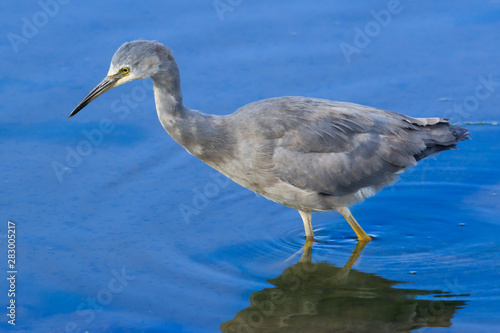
[(362, 235), (306, 218), (307, 254)]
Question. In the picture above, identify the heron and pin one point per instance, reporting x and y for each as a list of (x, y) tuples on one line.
[(309, 154)]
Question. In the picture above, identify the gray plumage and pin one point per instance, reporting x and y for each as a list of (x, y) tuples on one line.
[(305, 153)]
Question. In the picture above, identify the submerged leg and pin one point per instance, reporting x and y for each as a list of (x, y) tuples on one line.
[(362, 235), (306, 218), (307, 254)]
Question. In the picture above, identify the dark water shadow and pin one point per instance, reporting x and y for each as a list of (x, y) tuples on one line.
[(320, 297)]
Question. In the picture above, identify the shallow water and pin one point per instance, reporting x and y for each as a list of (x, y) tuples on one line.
[(119, 229)]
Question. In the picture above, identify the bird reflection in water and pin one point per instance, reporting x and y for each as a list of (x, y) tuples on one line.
[(319, 297)]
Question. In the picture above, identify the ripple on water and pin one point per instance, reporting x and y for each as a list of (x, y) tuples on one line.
[(424, 234), (423, 228)]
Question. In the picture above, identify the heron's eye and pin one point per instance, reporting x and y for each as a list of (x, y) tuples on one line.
[(125, 70)]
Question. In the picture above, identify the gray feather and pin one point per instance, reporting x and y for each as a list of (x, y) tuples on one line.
[(335, 148)]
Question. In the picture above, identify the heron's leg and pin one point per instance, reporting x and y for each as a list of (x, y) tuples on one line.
[(307, 254), (362, 235), (306, 218)]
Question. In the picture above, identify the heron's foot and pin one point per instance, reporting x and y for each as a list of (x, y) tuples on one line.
[(363, 238), (362, 235)]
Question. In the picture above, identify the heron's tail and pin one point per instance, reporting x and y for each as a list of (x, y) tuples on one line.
[(440, 136), (460, 134)]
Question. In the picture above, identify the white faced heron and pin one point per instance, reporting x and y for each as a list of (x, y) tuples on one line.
[(309, 154)]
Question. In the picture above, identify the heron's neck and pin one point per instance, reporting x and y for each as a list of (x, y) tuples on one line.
[(207, 137)]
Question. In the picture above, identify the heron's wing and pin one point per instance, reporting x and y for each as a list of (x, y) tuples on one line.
[(339, 148)]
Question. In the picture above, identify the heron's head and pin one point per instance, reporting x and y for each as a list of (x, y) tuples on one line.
[(139, 59)]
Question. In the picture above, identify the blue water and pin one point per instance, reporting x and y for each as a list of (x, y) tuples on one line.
[(113, 235)]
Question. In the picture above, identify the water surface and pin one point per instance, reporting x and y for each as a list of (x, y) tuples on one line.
[(114, 235)]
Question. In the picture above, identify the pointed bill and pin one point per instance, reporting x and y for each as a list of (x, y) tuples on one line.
[(106, 84)]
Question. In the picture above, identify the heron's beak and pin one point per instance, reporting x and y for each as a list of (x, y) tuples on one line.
[(106, 84)]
